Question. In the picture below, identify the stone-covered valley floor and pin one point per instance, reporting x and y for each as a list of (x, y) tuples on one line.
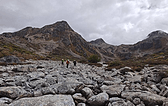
[(48, 83)]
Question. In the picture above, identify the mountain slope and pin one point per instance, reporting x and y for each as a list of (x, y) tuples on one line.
[(58, 39), (157, 41)]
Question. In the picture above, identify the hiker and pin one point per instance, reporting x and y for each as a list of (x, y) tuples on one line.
[(74, 62), (67, 62), (62, 61)]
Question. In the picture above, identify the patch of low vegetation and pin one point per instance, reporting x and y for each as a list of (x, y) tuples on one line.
[(5, 64), (93, 59), (139, 63), (135, 65), (84, 61), (96, 64), (8, 49), (115, 63)]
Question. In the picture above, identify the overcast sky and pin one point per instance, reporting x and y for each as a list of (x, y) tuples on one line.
[(116, 21)]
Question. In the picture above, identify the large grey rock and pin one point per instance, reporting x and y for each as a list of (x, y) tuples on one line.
[(2, 69), (135, 87), (164, 90), (88, 81), (156, 77), (115, 73), (47, 100), (154, 88), (20, 80), (98, 100), (10, 82), (87, 92), (113, 90), (71, 91), (129, 103), (55, 87), (81, 104), (47, 90), (113, 80), (5, 74), (67, 86), (18, 69), (37, 93), (10, 59), (79, 98), (135, 79), (148, 98), (60, 78), (125, 69), (5, 100), (34, 83), (2, 83), (137, 101), (36, 75), (115, 101), (41, 85), (2, 104), (118, 103), (165, 81), (31, 68), (142, 104), (51, 80), (165, 104), (12, 92)]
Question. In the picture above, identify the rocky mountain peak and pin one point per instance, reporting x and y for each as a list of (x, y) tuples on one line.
[(98, 41), (59, 26), (157, 33)]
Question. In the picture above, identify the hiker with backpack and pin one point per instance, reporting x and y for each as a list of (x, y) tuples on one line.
[(67, 62), (74, 62), (62, 61)]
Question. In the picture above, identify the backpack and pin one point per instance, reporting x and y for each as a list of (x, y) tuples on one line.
[(67, 62)]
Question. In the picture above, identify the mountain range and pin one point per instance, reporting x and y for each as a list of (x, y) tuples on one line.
[(59, 40)]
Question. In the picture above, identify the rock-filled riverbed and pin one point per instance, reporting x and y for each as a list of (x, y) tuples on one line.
[(49, 83)]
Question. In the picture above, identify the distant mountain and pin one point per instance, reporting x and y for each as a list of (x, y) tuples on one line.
[(155, 42), (59, 40)]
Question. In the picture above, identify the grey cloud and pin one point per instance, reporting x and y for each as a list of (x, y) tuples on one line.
[(116, 21)]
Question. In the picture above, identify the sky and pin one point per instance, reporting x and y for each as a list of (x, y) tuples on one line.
[(116, 21)]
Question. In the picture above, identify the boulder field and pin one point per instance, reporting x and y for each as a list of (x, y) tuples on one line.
[(49, 83)]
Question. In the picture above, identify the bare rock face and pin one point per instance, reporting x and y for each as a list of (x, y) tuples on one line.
[(113, 90), (98, 100), (156, 40), (10, 59), (99, 41), (12, 92), (79, 98), (87, 92), (157, 33), (47, 100), (148, 98)]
